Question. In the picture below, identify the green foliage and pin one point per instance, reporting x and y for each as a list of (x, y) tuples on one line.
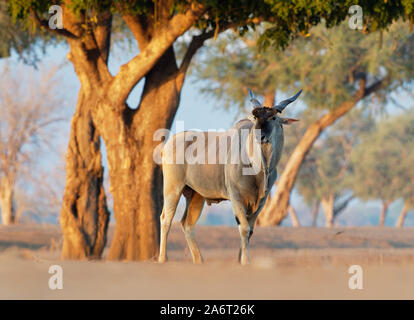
[(326, 64), (382, 164), (14, 38), (288, 19), (307, 14)]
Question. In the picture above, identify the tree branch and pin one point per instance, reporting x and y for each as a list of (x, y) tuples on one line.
[(140, 28), (45, 25), (196, 43), (103, 34), (133, 71), (374, 87)]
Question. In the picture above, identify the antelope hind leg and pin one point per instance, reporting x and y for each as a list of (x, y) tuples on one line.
[(195, 205), (168, 212)]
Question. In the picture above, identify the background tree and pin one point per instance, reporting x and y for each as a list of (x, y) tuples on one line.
[(404, 131), (382, 164), (102, 111), (408, 205), (28, 110), (40, 187), (26, 44), (337, 68), (323, 175)]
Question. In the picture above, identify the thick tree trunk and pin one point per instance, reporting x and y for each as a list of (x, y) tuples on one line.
[(136, 180), (403, 214), (6, 203), (136, 185), (383, 215), (294, 217), (327, 204), (276, 211), (84, 216)]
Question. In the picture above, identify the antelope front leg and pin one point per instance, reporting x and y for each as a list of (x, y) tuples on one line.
[(244, 229)]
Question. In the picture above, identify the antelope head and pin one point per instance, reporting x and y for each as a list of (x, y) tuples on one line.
[(266, 119)]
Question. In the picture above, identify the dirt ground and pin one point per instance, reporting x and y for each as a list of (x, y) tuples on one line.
[(286, 263)]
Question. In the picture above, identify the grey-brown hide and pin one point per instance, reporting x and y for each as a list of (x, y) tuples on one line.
[(218, 177)]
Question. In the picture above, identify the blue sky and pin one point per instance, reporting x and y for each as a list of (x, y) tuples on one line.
[(196, 111)]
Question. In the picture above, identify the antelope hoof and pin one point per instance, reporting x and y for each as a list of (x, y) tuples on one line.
[(244, 262), (244, 259)]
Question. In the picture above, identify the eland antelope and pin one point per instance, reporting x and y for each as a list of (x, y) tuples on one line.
[(224, 176)]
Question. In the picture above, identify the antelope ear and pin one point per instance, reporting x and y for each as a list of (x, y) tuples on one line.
[(287, 120)]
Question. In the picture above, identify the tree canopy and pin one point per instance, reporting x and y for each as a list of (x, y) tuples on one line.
[(382, 164), (327, 64), (13, 37), (287, 19), (326, 167)]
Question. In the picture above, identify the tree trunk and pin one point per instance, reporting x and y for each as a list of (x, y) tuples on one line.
[(133, 183), (136, 180), (6, 203), (84, 216), (294, 217), (277, 209), (403, 214), (384, 210), (315, 212), (327, 204), (269, 98)]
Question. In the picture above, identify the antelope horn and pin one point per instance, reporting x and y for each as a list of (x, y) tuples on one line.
[(282, 105), (254, 101)]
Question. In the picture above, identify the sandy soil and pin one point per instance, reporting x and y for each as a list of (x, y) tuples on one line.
[(286, 263)]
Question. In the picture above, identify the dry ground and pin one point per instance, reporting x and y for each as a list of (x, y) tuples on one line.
[(298, 263)]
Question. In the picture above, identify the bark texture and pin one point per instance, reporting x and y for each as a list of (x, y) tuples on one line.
[(84, 216)]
